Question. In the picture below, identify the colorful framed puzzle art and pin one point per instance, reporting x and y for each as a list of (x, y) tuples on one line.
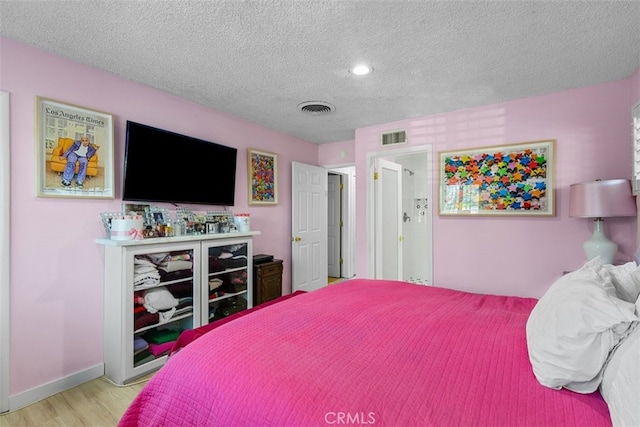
[(263, 177), (516, 179)]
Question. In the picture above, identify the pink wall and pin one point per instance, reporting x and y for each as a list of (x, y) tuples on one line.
[(635, 87), (56, 266), (519, 256), (337, 153)]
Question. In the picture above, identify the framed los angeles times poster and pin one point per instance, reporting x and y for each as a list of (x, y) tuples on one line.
[(515, 180), (263, 177), (74, 151)]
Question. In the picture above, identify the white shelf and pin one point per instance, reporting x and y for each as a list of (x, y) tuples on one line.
[(159, 284), (227, 295), (172, 320), (176, 239), (228, 270)]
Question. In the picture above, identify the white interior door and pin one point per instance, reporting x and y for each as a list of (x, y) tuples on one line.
[(5, 336), (348, 218), (333, 223), (308, 227), (425, 250), (388, 220)]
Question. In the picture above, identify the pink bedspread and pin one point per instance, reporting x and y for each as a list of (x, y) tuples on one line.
[(190, 335), (364, 352)]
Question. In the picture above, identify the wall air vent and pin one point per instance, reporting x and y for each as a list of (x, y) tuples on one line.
[(393, 137)]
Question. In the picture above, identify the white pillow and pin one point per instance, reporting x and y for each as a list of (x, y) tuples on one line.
[(574, 326), (626, 280), (620, 386)]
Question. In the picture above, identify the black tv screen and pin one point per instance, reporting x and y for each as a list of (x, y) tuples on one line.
[(163, 166)]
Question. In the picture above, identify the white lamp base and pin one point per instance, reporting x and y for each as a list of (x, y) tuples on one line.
[(599, 245)]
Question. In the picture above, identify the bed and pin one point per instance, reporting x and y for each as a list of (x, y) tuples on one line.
[(365, 352)]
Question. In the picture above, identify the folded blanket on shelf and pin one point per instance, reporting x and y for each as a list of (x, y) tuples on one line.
[(161, 336), (161, 349), (141, 320), (145, 273), (215, 265), (144, 268), (236, 250), (139, 344), (182, 289), (235, 262), (215, 284), (141, 260), (146, 284), (174, 275), (176, 265), (157, 258)]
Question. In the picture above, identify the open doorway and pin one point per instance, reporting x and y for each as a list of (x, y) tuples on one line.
[(416, 216), (341, 223)]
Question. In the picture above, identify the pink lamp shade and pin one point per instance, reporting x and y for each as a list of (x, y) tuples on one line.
[(600, 199)]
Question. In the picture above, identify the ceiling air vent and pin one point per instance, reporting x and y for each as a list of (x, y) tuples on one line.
[(393, 137), (316, 107)]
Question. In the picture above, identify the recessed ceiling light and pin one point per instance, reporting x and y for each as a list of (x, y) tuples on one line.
[(361, 70)]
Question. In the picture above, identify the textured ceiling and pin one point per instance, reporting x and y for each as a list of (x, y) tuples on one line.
[(259, 59)]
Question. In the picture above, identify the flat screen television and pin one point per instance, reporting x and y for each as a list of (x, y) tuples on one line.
[(163, 166)]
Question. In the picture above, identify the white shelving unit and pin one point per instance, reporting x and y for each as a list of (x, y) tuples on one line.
[(235, 268), (211, 256)]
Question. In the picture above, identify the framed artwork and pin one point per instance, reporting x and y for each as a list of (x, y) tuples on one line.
[(515, 179), (74, 151), (263, 177)]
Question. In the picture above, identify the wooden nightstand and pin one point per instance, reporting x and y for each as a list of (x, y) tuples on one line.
[(267, 281)]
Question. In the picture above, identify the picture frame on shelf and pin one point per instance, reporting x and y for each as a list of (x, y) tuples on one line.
[(60, 131), (263, 177), (137, 208), (106, 221), (221, 221), (185, 214), (156, 216), (504, 180)]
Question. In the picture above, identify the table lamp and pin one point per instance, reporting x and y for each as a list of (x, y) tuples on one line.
[(601, 199)]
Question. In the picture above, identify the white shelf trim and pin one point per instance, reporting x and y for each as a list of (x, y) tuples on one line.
[(176, 239)]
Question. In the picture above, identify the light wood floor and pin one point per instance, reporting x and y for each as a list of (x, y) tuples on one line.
[(98, 403)]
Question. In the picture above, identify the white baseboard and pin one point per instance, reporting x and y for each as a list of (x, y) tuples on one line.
[(44, 391)]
